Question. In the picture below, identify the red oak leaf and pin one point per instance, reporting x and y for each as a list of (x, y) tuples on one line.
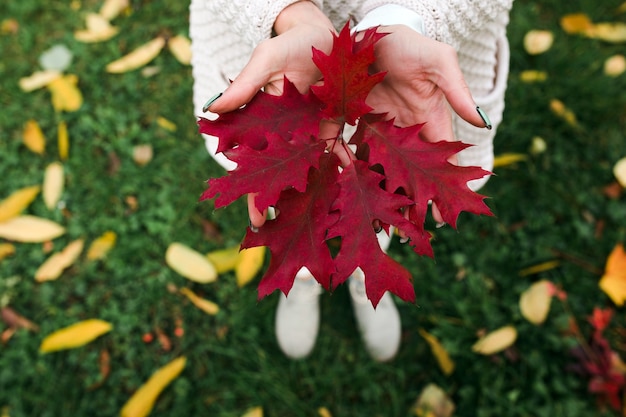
[(290, 114), (360, 202), (280, 165), (347, 81), (297, 236), (421, 169)]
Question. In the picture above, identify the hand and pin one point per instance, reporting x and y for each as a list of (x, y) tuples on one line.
[(423, 82)]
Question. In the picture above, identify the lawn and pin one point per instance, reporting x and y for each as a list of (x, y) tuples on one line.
[(558, 215)]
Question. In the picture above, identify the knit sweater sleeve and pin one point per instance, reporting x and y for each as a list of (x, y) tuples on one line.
[(449, 21), (253, 19)]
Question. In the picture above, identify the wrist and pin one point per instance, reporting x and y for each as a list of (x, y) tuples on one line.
[(299, 13)]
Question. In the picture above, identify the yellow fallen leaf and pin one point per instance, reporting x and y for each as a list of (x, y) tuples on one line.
[(441, 354), (138, 57), (180, 47), (207, 306), (65, 94), (324, 412), (6, 250), (63, 140), (250, 263), (559, 109), (619, 170), (224, 260), (15, 203), (38, 79), (496, 341), (535, 302), (533, 76), (576, 23), (33, 137), (542, 267), (112, 8), (254, 412), (98, 29), (166, 124), (76, 335), (30, 229), (613, 32), (613, 282), (615, 65), (142, 154), (101, 246), (433, 402), (508, 159), (142, 401), (54, 266), (538, 145), (53, 184), (190, 264), (538, 41), (622, 8)]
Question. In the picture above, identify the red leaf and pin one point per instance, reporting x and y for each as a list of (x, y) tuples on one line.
[(290, 114), (280, 165), (421, 169), (297, 236), (347, 81), (360, 202)]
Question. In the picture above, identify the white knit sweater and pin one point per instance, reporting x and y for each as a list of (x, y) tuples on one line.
[(224, 33)]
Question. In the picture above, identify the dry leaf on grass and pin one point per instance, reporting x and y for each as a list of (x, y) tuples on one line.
[(532, 76), (558, 108), (254, 412), (180, 47), (17, 321), (205, 305), (63, 141), (65, 94), (535, 302), (538, 41), (224, 260), (101, 246), (142, 154), (576, 23), (142, 401), (54, 266), (613, 32), (76, 335), (250, 263), (6, 250), (615, 65), (508, 159), (496, 341), (190, 264), (30, 229), (33, 137), (112, 8), (619, 170), (441, 354), (98, 29), (613, 282), (53, 184), (138, 57), (433, 402), (19, 200), (38, 79)]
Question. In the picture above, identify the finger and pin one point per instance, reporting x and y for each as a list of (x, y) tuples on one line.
[(437, 215), (257, 219), (452, 83)]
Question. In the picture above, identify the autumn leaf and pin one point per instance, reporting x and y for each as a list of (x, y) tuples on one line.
[(253, 412), (65, 94), (142, 154), (52, 268), (17, 321), (98, 29), (190, 264), (205, 305), (63, 141), (53, 184), (110, 9), (76, 335), (180, 47), (613, 32), (619, 170), (17, 202), (532, 76), (101, 246), (224, 260), (439, 352), (249, 263), (6, 250), (538, 41), (535, 302), (506, 159), (31, 229), (38, 79), (496, 341), (433, 402), (561, 110), (138, 57), (33, 137), (576, 23), (142, 401), (613, 282)]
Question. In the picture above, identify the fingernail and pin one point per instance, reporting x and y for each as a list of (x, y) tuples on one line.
[(212, 100), (378, 229), (485, 118), (404, 239), (440, 225), (252, 228)]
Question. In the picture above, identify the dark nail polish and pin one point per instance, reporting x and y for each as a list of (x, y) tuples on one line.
[(485, 118), (404, 239), (212, 100), (378, 229)]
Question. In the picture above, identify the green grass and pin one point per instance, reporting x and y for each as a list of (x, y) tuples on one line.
[(547, 207)]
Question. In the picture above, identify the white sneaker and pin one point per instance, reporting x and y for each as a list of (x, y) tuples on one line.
[(380, 328), (298, 316)]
